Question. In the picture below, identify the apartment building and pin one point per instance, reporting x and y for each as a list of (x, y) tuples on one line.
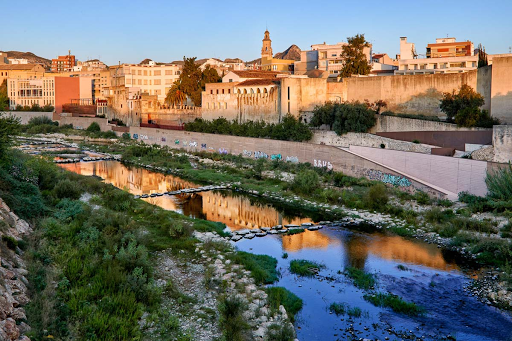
[(324, 57), (27, 92), (445, 56), (63, 63), (151, 79), (21, 71)]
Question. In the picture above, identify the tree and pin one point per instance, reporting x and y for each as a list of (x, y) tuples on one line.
[(346, 117), (4, 100), (175, 95), (9, 127), (454, 102), (192, 82), (355, 61), (482, 56)]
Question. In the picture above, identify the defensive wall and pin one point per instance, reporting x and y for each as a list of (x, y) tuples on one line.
[(502, 142), (501, 89), (318, 155), (84, 122), (453, 174)]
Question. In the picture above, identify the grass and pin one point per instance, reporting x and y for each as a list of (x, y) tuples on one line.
[(304, 267), (361, 279), (294, 231), (262, 267), (232, 321), (395, 303), (344, 308), (280, 296)]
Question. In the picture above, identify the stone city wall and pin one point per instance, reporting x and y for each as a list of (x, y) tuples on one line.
[(502, 142), (25, 116), (397, 124), (85, 122)]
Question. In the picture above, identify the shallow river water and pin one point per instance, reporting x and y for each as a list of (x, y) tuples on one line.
[(416, 271)]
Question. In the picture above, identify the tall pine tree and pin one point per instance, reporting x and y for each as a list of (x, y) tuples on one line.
[(355, 61)]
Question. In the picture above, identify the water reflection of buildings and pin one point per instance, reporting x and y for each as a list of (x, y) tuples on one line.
[(136, 180), (308, 240), (238, 212), (359, 247)]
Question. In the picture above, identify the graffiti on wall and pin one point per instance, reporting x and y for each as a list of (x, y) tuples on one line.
[(223, 151), (260, 155), (322, 164), (247, 153), (395, 180), (176, 141), (276, 157), (292, 159), (164, 139), (135, 136), (203, 145), (193, 144)]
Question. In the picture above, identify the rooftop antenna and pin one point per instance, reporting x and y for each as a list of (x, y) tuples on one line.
[(510, 49)]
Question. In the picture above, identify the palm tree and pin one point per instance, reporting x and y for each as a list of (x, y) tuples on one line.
[(175, 95)]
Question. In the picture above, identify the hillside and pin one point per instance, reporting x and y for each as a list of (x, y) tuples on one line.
[(32, 58), (293, 53)]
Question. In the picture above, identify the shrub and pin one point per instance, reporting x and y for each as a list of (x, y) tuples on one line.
[(125, 136), (67, 189), (232, 321), (436, 215), (304, 267), (94, 127), (41, 120), (278, 332), (499, 183), (306, 182), (422, 198), (344, 117), (396, 304), (416, 141), (361, 279), (10, 242), (280, 296), (377, 196), (382, 145)]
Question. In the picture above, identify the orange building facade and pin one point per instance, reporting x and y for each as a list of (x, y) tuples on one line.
[(63, 63)]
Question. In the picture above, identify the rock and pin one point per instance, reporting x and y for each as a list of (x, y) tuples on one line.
[(10, 329), (255, 231), (266, 229), (18, 314), (249, 236), (261, 234), (243, 232)]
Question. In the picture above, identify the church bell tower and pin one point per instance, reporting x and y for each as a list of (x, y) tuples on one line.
[(266, 50)]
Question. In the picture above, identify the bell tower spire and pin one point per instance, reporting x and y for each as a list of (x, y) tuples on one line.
[(266, 50)]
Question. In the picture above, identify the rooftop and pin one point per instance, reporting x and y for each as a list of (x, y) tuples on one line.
[(18, 66), (253, 82), (256, 74)]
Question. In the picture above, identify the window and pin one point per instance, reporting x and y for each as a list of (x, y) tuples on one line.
[(211, 92), (140, 72), (168, 81), (145, 72), (168, 72), (229, 91), (231, 80), (217, 91), (158, 81), (288, 97), (158, 72), (223, 91)]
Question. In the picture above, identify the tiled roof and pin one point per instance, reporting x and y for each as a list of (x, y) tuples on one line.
[(254, 82), (317, 74), (18, 66), (378, 56), (256, 74)]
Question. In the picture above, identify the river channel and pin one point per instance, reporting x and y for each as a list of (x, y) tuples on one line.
[(416, 271)]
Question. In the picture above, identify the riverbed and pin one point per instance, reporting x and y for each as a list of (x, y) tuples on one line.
[(416, 271)]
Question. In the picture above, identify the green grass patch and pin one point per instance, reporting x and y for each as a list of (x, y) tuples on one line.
[(304, 267), (361, 279), (294, 231), (262, 267), (345, 309), (280, 296), (395, 303)]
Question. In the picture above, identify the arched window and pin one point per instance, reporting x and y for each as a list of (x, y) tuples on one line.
[(265, 90), (245, 91), (258, 91), (252, 90)]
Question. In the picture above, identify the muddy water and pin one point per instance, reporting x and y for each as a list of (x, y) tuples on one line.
[(416, 271)]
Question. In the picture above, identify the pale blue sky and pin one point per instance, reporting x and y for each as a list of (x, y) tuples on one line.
[(129, 31)]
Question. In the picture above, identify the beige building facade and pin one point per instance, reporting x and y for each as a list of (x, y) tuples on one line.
[(28, 92)]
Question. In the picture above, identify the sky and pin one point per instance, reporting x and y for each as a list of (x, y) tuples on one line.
[(130, 31)]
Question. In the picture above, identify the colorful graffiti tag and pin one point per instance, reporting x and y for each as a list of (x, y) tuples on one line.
[(395, 180), (247, 153), (223, 151), (292, 159), (176, 141), (203, 145), (276, 157), (260, 155), (193, 144)]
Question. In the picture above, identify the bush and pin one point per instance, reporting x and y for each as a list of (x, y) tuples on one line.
[(232, 321), (290, 129), (94, 128), (40, 120), (125, 136), (280, 296), (67, 189), (304, 267), (499, 183), (422, 198), (278, 332), (306, 182), (344, 117), (377, 196)]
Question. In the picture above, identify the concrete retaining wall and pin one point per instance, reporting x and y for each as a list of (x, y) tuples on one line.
[(25, 116), (502, 142), (85, 122), (453, 174), (318, 155), (367, 140), (396, 124)]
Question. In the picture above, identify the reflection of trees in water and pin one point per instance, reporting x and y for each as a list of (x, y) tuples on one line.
[(356, 250), (192, 205)]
